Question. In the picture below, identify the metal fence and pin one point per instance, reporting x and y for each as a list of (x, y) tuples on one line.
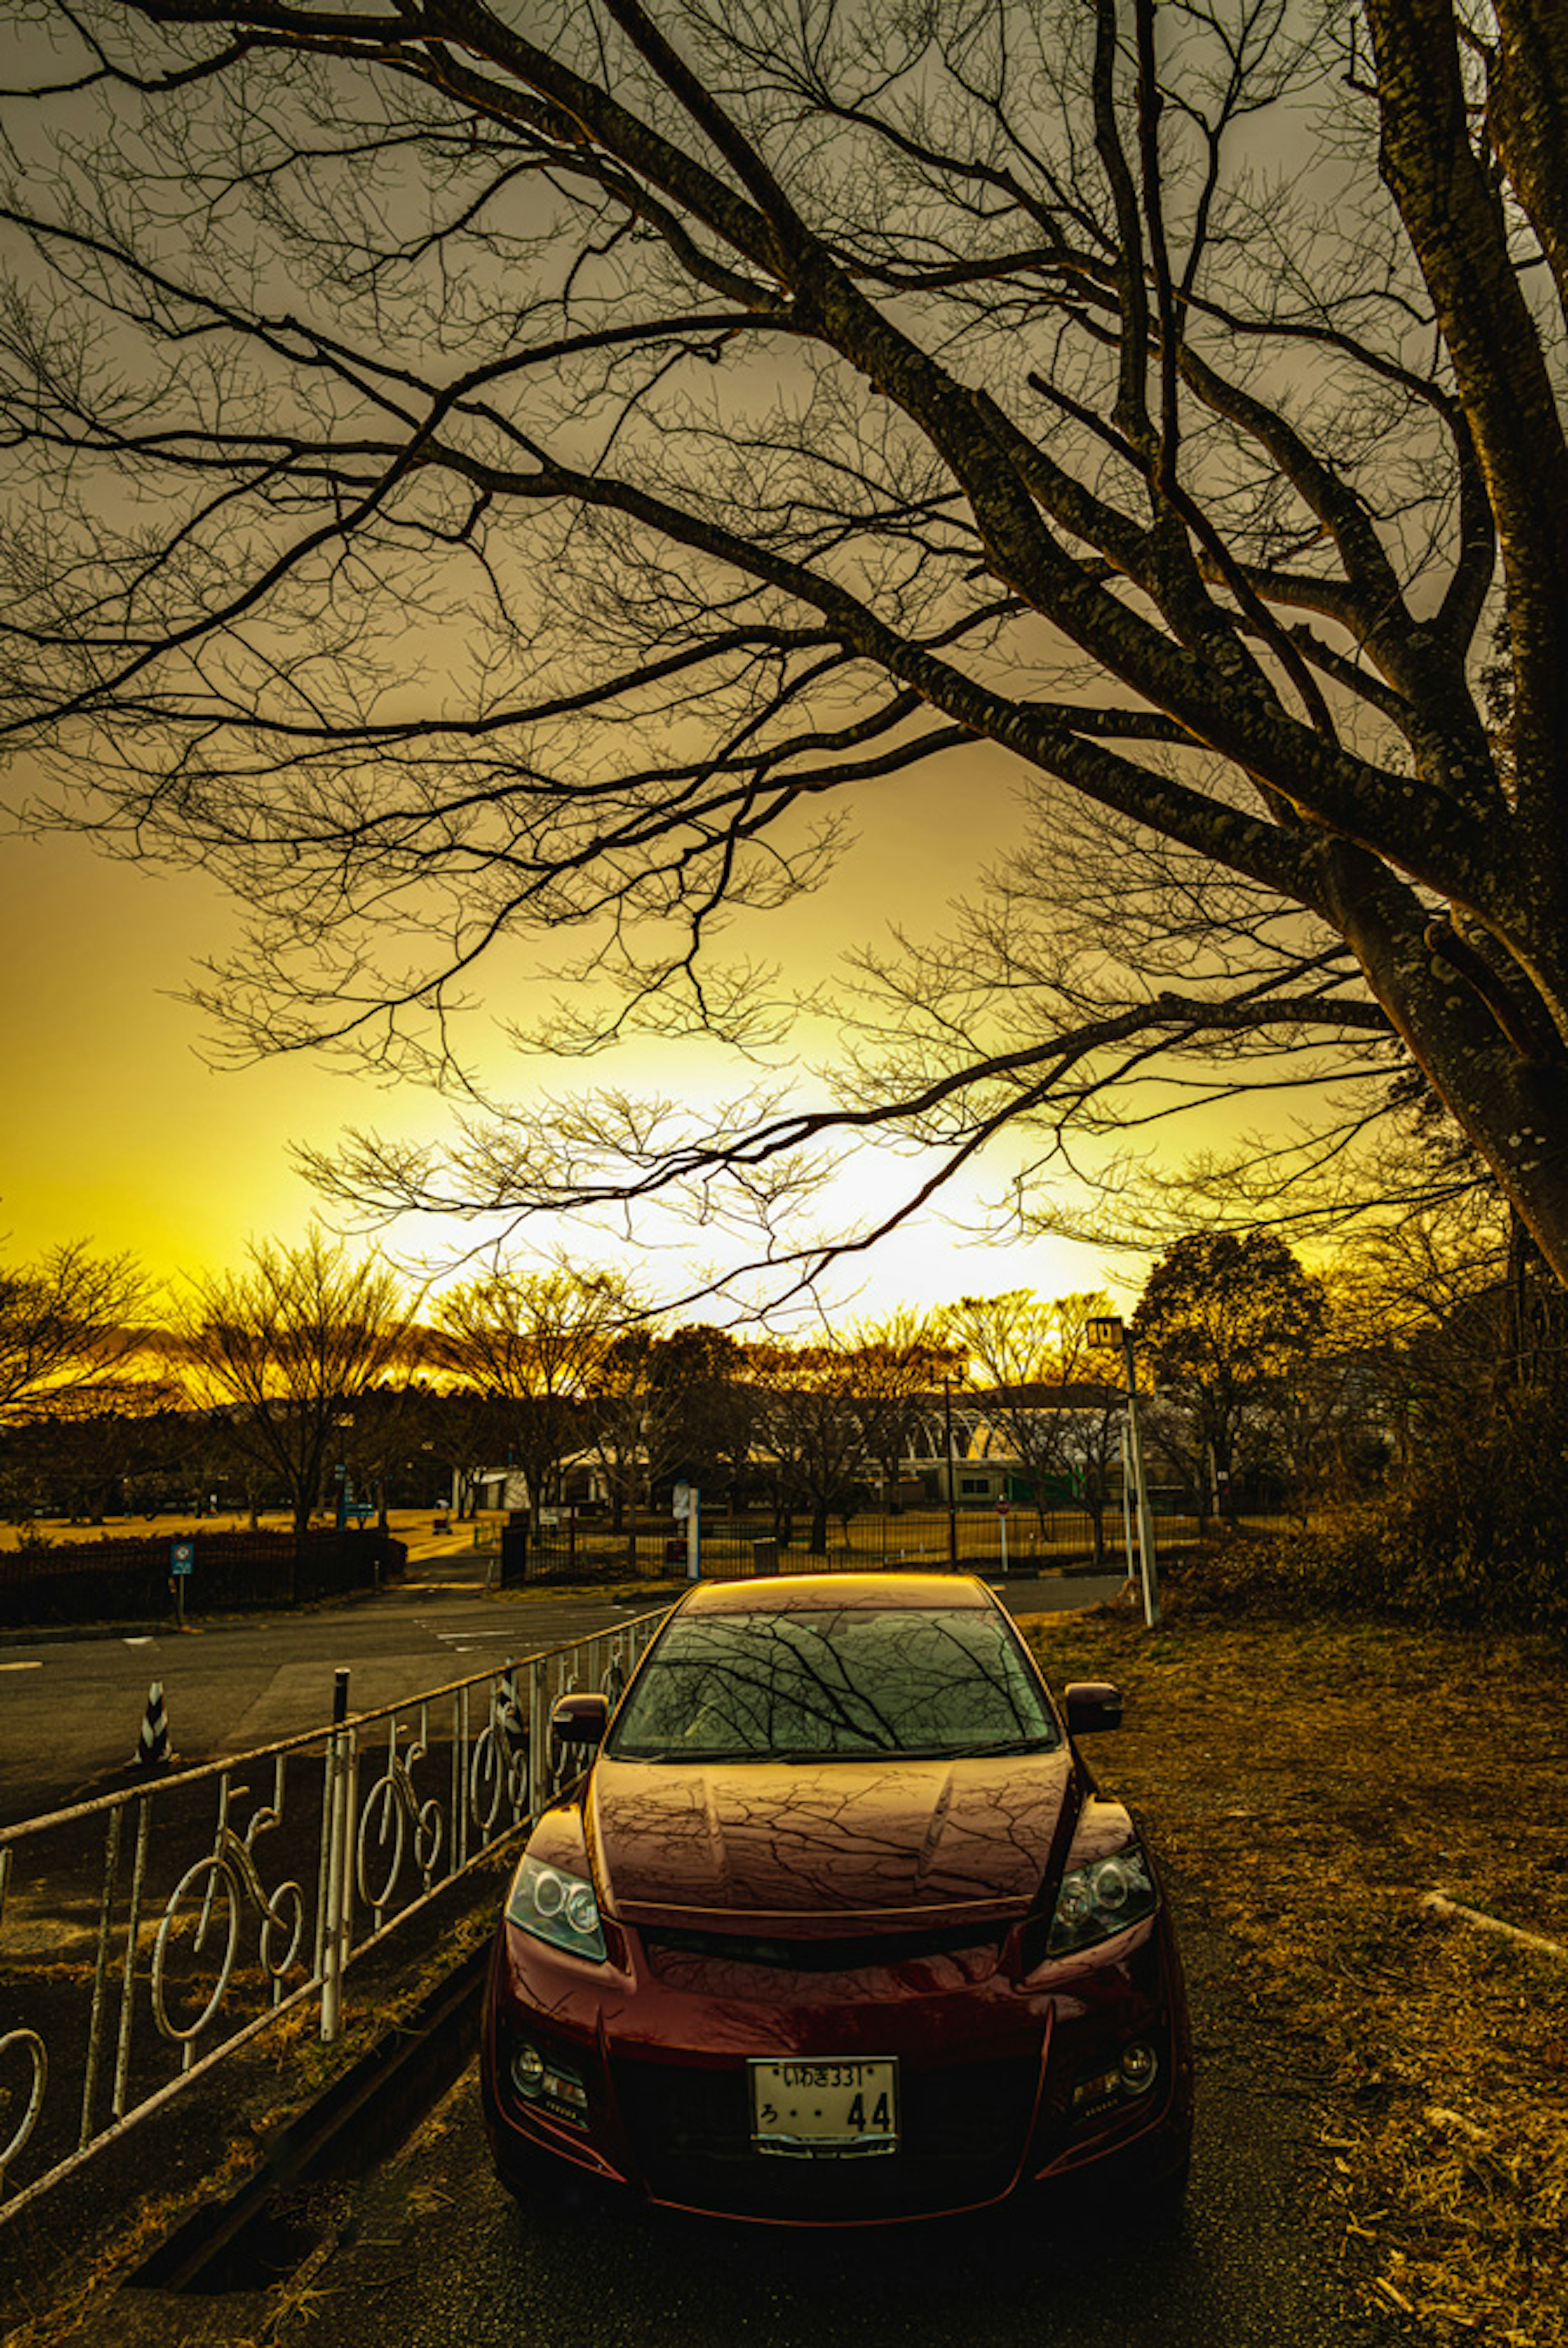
[(147, 1935), (1026, 1538)]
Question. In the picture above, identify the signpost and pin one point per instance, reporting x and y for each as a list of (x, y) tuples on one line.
[(181, 1566), (1003, 1505), (686, 1502)]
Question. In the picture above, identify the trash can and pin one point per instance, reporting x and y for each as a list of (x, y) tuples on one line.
[(764, 1557)]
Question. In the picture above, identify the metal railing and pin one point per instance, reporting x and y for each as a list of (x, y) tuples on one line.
[(147, 1935), (977, 1537)]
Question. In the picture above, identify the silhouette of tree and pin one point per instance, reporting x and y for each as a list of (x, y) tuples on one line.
[(286, 1345), (73, 1336), (1229, 1320), (536, 1341), (834, 1408), (1055, 1397), (471, 476)]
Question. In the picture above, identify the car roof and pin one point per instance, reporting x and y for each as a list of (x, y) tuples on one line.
[(793, 1593)]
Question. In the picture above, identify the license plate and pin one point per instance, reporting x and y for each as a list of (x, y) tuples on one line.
[(824, 2111)]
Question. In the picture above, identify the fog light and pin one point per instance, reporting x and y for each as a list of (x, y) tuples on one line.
[(529, 2072), (1139, 2064)]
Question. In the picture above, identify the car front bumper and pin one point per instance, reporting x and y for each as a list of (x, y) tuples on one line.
[(991, 2075)]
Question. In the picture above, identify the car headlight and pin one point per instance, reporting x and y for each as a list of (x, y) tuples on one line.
[(557, 1908), (1100, 1898)]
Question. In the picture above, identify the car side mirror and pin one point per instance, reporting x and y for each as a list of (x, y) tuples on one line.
[(579, 1720), (1092, 1704)]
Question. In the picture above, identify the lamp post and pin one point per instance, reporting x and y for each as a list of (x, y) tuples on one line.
[(1110, 1329), (952, 1507)]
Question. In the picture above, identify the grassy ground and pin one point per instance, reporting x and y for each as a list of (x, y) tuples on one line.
[(410, 1525), (1308, 1785)]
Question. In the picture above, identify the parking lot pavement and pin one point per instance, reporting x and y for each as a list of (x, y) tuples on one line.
[(1057, 1594), (428, 2251)]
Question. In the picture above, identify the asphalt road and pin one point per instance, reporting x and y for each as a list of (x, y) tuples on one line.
[(71, 1709), (428, 2251)]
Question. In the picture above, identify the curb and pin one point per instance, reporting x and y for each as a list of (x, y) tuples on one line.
[(354, 2124)]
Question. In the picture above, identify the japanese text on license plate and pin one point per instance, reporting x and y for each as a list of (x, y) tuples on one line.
[(828, 2108)]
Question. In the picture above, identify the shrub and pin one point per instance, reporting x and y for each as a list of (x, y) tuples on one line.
[(1476, 1536)]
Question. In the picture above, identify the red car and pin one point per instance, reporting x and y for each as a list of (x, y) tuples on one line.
[(837, 1928)]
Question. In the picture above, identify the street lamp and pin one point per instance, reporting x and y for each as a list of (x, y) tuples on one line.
[(1110, 1330), (952, 1506)]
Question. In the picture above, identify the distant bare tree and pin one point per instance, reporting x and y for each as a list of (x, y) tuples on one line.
[(73, 1337), (537, 1341), (631, 1422), (899, 1363), (834, 1407), (1046, 1388), (286, 1345)]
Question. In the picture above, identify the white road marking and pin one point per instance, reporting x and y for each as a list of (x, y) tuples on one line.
[(35, 1665), (144, 1641)]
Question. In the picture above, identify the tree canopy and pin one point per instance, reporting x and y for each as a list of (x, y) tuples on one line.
[(475, 474), (1229, 1320)]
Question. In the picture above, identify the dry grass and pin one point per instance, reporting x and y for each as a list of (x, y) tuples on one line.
[(1308, 1785)]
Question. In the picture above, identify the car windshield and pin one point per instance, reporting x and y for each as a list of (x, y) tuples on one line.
[(842, 1682)]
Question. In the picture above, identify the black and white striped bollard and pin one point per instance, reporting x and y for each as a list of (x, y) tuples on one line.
[(152, 1746)]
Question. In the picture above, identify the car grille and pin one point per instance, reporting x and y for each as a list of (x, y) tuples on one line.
[(976, 1952), (963, 2131)]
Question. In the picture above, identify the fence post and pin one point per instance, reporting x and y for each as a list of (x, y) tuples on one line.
[(334, 1807), (539, 1735)]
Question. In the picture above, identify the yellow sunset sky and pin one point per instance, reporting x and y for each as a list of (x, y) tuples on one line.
[(116, 1129)]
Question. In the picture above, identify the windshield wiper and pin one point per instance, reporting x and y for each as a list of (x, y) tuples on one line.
[(694, 1753), (994, 1750)]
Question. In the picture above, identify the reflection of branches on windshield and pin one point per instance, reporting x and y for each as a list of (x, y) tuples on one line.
[(887, 1683), (765, 1693)]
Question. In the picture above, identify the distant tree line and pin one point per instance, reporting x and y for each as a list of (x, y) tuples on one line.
[(1421, 1372)]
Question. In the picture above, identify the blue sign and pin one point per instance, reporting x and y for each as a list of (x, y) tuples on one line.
[(182, 1556)]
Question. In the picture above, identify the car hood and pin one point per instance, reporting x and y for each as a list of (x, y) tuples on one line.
[(818, 1843)]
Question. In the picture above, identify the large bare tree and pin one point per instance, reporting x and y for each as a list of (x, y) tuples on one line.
[(476, 471)]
